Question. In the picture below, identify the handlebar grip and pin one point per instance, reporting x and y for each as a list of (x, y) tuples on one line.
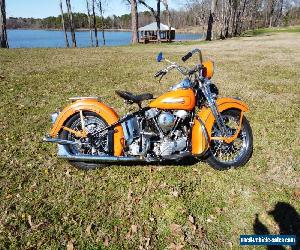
[(159, 73), (187, 56)]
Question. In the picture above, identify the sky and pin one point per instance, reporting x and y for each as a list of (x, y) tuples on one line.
[(45, 8)]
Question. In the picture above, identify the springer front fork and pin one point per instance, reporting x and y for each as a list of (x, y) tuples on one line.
[(212, 105), (226, 135)]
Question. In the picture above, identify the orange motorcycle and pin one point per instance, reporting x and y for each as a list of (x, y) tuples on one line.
[(190, 120)]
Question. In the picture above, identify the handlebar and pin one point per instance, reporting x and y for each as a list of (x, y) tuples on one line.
[(160, 73), (187, 56), (190, 54), (181, 69)]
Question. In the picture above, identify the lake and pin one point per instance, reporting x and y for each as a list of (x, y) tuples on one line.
[(55, 39)]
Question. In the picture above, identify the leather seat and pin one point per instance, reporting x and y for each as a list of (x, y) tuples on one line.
[(131, 98)]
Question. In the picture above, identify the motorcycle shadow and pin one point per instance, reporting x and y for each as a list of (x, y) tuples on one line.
[(188, 161)]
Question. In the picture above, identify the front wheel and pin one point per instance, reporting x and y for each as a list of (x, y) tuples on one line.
[(222, 155)]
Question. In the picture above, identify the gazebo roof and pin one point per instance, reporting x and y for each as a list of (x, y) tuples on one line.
[(153, 27)]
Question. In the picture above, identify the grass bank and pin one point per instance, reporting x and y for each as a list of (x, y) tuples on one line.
[(46, 203), (274, 30)]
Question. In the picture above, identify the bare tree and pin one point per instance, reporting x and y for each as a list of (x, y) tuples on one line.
[(90, 22), (100, 5), (3, 33), (95, 23), (156, 15), (72, 28), (166, 4), (134, 21), (63, 24), (209, 33)]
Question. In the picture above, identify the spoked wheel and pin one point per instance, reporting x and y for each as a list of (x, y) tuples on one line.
[(94, 144), (224, 155)]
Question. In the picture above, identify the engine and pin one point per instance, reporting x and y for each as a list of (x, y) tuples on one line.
[(166, 121), (157, 134)]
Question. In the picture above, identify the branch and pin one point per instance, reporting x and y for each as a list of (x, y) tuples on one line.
[(148, 6)]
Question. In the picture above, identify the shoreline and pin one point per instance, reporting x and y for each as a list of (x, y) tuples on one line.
[(179, 31)]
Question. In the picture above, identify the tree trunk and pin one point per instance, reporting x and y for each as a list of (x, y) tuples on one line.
[(156, 15), (209, 33), (102, 21), (72, 28), (165, 2), (95, 23), (134, 22), (3, 33), (158, 21), (90, 22), (63, 24)]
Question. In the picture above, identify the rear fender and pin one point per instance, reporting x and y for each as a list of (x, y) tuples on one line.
[(107, 113), (204, 121)]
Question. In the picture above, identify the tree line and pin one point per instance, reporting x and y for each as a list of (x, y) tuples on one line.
[(218, 19)]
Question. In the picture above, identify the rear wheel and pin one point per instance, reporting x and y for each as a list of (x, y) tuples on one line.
[(222, 155), (94, 144)]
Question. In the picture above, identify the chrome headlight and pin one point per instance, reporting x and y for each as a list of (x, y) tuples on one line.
[(54, 117)]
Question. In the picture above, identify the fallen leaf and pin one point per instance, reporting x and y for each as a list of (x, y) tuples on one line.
[(88, 229), (175, 228), (133, 229), (192, 219), (68, 173), (174, 246), (29, 221), (70, 245), (297, 193), (175, 193), (106, 241), (32, 187)]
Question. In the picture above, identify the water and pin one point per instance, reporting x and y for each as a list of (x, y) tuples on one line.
[(55, 39)]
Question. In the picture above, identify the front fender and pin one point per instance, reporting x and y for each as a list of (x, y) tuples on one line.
[(204, 121), (107, 113)]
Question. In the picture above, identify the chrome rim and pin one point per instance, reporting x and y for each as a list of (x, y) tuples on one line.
[(95, 143), (230, 153)]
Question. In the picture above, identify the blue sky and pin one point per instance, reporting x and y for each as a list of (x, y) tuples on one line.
[(44, 8)]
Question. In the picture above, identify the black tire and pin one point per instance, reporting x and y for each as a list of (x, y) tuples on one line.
[(247, 152), (65, 136)]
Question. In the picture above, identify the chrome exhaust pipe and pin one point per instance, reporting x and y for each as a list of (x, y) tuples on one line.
[(59, 141), (96, 158), (64, 154)]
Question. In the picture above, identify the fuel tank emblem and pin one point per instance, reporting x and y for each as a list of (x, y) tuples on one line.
[(173, 100)]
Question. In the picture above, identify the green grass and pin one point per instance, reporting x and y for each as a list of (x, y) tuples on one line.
[(264, 31), (46, 203)]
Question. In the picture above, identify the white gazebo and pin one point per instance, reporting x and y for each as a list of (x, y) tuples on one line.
[(148, 33)]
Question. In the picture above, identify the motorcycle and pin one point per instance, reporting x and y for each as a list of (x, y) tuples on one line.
[(190, 120)]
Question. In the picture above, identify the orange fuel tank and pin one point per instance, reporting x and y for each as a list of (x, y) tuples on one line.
[(176, 99)]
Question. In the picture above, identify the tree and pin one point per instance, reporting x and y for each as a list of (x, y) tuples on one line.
[(72, 28), (95, 23), (90, 22), (100, 5), (134, 22), (156, 15), (165, 3), (3, 33), (63, 24), (209, 33)]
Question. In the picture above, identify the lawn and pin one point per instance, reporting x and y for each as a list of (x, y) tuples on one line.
[(46, 203)]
